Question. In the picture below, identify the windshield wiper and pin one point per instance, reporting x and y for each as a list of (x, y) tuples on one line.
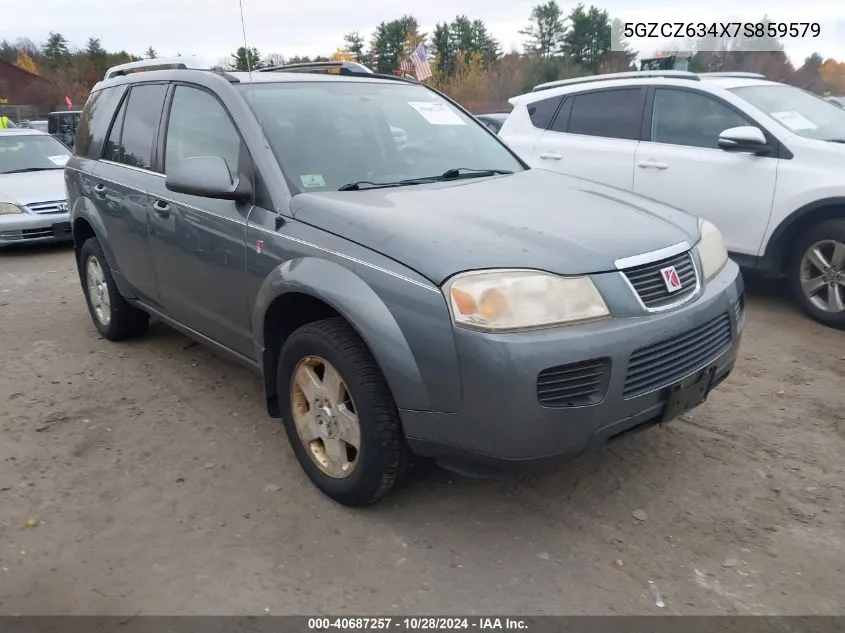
[(368, 184), (25, 169), (835, 140), (458, 172), (449, 174), (469, 172)]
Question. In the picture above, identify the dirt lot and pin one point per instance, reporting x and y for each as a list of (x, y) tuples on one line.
[(160, 486)]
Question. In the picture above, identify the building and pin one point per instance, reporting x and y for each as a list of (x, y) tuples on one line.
[(19, 87)]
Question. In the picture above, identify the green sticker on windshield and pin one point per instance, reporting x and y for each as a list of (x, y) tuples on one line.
[(312, 180)]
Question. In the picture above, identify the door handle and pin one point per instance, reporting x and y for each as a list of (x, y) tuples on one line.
[(550, 156), (161, 208), (100, 189), (652, 164)]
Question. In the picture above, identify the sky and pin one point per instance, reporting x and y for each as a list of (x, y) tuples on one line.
[(211, 29)]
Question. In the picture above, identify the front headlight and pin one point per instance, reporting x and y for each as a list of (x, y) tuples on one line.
[(509, 300), (7, 208), (711, 249)]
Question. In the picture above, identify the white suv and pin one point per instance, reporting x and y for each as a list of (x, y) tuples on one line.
[(764, 161)]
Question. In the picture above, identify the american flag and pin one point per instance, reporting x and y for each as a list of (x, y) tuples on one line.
[(418, 61)]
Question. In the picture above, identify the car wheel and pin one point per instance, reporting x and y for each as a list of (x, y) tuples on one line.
[(339, 414), (113, 317), (818, 273)]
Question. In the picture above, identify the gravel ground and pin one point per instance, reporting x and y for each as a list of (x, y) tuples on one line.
[(147, 478)]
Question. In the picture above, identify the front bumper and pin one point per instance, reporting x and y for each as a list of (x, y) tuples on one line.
[(502, 420), (28, 228)]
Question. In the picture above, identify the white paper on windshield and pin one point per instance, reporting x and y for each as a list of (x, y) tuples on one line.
[(312, 180), (436, 112), (60, 160), (794, 120)]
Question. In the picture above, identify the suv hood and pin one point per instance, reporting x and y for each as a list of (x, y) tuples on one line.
[(532, 219), (34, 186)]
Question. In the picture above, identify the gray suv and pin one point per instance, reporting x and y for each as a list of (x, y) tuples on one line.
[(403, 282)]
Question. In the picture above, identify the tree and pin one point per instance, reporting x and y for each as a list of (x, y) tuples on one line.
[(245, 59), (55, 51), (485, 43), (343, 55), (468, 86), (8, 52), (620, 57), (25, 62), (394, 40), (588, 38), (444, 53), (97, 55), (355, 44), (832, 74), (151, 53), (545, 29), (807, 77), (275, 59)]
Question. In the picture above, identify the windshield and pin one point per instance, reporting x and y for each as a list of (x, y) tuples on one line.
[(797, 110), (22, 152), (327, 134)]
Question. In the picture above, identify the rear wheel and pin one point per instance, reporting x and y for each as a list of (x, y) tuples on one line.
[(339, 414), (113, 317), (817, 273)]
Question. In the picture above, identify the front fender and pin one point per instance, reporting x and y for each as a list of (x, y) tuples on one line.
[(358, 303)]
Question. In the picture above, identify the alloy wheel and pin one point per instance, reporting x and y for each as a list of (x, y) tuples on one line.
[(325, 417), (98, 290)]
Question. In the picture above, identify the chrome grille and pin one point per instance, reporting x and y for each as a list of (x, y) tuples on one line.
[(55, 206), (572, 385), (662, 364), (648, 283)]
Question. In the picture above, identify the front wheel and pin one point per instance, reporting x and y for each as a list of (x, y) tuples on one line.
[(817, 273), (339, 413)]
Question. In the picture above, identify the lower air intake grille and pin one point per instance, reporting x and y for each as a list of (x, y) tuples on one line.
[(662, 364), (574, 385)]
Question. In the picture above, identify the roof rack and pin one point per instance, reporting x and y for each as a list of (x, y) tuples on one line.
[(160, 63), (738, 75), (330, 68), (638, 74)]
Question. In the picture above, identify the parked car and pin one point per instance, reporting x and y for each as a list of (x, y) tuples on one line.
[(33, 205), (760, 159), (63, 124), (435, 298), (493, 120)]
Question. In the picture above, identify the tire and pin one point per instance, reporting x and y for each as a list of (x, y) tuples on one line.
[(113, 317), (826, 237), (377, 465)]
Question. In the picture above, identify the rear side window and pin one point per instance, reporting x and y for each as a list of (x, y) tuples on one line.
[(83, 130), (111, 148), (138, 120), (94, 122), (541, 112), (608, 113)]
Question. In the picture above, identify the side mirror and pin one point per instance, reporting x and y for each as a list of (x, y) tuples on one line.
[(206, 176), (745, 138)]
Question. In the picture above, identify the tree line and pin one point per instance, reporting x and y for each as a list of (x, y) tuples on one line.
[(468, 63)]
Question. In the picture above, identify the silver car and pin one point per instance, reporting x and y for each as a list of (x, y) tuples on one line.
[(33, 203)]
